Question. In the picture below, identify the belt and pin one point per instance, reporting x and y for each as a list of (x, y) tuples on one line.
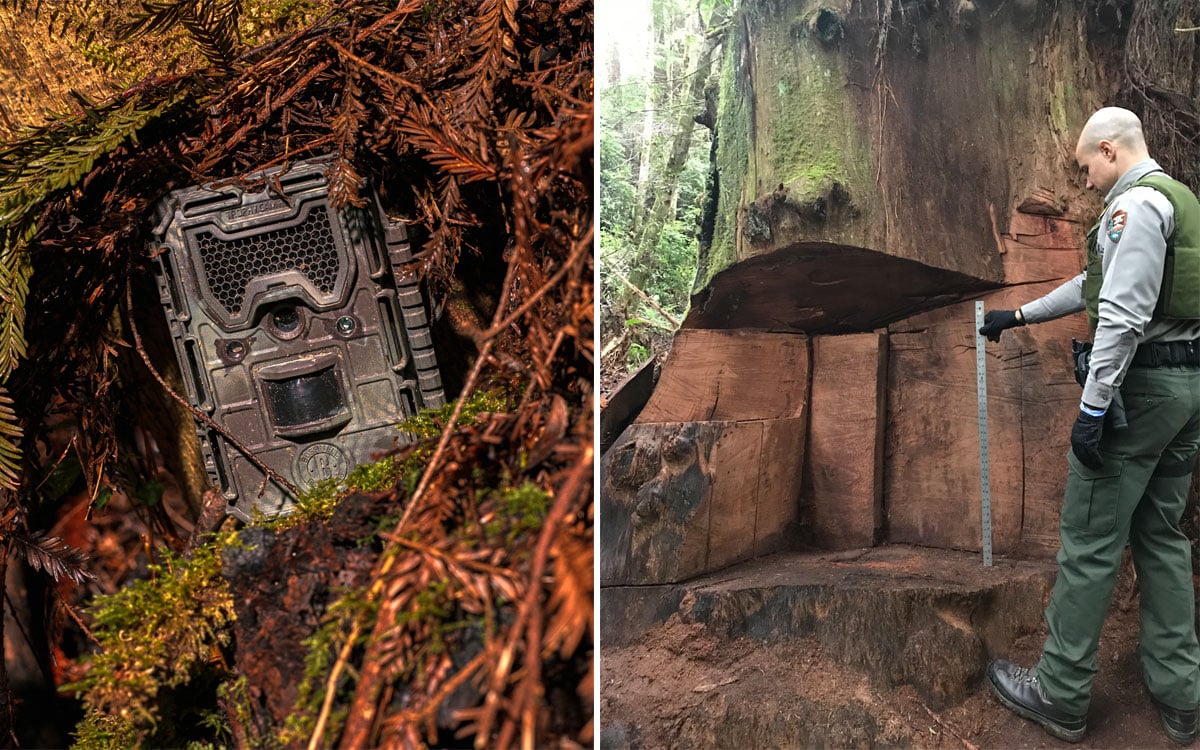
[(1167, 353)]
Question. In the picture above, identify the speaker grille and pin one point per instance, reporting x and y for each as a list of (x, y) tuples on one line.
[(307, 247)]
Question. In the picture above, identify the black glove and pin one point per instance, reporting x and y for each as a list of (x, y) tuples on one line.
[(996, 321), (1085, 439)]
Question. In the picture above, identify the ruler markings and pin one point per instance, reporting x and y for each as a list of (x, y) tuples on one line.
[(985, 484)]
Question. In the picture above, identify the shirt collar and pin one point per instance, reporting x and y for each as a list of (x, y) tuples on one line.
[(1132, 175)]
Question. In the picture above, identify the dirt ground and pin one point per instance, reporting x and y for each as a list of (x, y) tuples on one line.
[(682, 687)]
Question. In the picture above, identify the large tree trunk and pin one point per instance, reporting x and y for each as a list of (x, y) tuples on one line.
[(878, 168), (38, 70), (961, 120)]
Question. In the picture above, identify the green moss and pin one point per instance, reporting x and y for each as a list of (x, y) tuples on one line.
[(264, 19), (814, 180), (98, 730), (1069, 109), (236, 695), (323, 647), (807, 127), (102, 55), (429, 423), (1058, 108), (320, 501), (518, 510), (809, 137), (794, 124), (734, 163), (154, 635)]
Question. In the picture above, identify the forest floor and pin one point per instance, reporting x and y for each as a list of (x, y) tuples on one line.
[(683, 687), (614, 370)]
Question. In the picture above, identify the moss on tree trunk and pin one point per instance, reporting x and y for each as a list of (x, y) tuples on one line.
[(912, 129)]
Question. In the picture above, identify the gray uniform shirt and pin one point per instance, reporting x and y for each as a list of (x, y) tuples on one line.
[(1133, 250)]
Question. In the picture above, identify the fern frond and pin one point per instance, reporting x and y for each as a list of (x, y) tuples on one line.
[(345, 184), (40, 163), (52, 556), (8, 426), (211, 24), (154, 17), (15, 271), (491, 42), (52, 158)]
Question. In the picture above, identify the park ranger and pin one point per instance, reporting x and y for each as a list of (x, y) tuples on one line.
[(1141, 291)]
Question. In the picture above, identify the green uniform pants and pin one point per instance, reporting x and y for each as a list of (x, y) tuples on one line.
[(1137, 497)]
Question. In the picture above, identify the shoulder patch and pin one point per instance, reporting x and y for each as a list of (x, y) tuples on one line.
[(1116, 225)]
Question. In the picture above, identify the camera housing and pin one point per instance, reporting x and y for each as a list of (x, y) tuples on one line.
[(296, 326)]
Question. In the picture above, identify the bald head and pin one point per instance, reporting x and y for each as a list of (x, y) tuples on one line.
[(1116, 125), (1111, 143)]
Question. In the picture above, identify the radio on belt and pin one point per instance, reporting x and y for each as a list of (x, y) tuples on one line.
[(295, 329)]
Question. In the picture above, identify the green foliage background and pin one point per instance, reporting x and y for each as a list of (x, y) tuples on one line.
[(662, 99)]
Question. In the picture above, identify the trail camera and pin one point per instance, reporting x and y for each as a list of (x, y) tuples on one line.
[(295, 328)]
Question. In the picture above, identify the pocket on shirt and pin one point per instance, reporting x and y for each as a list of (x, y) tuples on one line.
[(1090, 504)]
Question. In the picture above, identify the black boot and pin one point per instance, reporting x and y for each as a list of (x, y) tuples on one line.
[(1179, 724), (1018, 689)]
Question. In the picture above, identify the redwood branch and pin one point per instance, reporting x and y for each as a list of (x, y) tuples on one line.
[(567, 493), (670, 318)]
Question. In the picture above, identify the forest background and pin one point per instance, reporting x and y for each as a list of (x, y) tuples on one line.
[(655, 100)]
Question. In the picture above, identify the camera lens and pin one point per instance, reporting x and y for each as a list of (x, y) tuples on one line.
[(286, 319)]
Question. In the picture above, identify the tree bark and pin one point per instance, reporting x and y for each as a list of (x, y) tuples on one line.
[(667, 182), (38, 70), (643, 176), (885, 193), (910, 157)]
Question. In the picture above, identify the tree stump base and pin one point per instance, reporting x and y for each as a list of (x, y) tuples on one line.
[(901, 615)]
